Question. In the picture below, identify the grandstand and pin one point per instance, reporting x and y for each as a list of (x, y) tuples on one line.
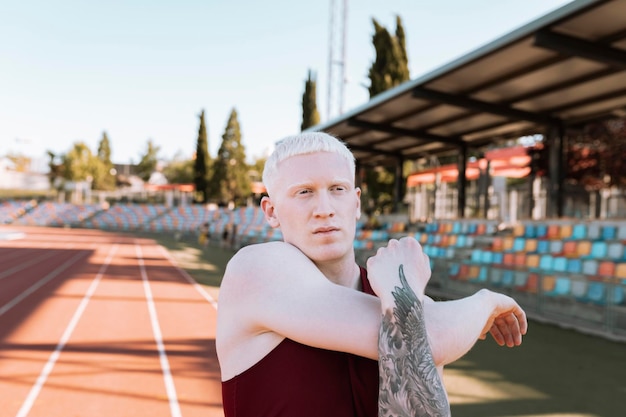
[(567, 271)]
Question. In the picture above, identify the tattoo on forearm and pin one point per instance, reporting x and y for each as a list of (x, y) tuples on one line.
[(409, 382)]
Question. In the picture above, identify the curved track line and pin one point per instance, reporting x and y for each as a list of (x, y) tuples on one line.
[(40, 283), (54, 356), (158, 338)]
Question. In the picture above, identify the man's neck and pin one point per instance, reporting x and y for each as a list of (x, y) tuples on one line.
[(344, 274)]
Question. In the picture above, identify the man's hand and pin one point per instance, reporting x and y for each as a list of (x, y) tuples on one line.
[(382, 269), (507, 322)]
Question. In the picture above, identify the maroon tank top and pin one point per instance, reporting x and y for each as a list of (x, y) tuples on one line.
[(296, 380)]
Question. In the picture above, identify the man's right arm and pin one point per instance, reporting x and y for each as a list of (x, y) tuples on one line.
[(410, 384)]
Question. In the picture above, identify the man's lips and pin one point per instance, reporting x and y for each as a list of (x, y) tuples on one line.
[(322, 230)]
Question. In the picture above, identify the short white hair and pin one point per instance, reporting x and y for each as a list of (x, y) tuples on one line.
[(301, 144)]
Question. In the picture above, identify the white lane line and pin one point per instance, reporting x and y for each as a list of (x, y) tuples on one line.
[(24, 265), (192, 281), (40, 283), (54, 356), (170, 388)]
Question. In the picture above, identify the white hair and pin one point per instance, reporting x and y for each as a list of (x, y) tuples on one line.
[(301, 144)]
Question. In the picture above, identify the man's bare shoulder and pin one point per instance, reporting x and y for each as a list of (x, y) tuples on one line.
[(261, 268), (264, 257)]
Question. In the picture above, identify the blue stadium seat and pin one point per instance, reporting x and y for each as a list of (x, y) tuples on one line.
[(609, 232), (596, 293), (562, 287), (599, 250), (579, 231)]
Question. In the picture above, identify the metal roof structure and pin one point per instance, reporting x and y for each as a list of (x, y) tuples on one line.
[(562, 69)]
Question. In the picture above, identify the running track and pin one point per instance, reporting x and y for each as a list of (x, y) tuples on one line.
[(101, 324)]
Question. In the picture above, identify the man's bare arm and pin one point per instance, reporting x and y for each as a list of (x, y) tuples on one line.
[(410, 384), (455, 326)]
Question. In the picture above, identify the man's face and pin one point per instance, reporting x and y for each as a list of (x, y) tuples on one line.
[(316, 206)]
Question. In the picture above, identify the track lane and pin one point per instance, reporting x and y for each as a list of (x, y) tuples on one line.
[(109, 364)]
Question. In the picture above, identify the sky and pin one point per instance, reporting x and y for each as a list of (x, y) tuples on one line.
[(143, 70)]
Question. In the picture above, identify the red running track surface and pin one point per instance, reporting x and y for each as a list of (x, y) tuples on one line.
[(100, 324)]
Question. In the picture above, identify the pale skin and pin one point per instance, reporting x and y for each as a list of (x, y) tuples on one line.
[(304, 288)]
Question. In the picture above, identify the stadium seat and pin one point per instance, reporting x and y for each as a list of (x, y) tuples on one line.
[(562, 287), (546, 263), (553, 232), (599, 250), (593, 231), (615, 250), (583, 248), (565, 231), (543, 246), (609, 232), (560, 264), (606, 268), (541, 231), (570, 248), (574, 266), (579, 231), (596, 293), (556, 247), (590, 266)]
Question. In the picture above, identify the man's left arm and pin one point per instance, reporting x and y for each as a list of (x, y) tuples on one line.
[(455, 326)]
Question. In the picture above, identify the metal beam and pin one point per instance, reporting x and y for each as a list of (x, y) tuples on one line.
[(569, 45), (481, 106), (418, 135)]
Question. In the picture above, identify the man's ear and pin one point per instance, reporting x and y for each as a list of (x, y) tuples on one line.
[(269, 211), (358, 203)]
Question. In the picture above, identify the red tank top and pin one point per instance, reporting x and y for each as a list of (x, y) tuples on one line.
[(296, 380)]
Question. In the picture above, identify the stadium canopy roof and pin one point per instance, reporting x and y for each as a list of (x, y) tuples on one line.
[(562, 69)]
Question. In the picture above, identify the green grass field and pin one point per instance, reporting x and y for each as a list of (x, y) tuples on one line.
[(555, 373)]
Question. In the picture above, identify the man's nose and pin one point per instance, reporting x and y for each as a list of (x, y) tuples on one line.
[(324, 206)]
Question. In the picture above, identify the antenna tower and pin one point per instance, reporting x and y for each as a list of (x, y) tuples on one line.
[(336, 57)]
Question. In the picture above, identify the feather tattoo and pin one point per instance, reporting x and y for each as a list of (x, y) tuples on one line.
[(409, 383)]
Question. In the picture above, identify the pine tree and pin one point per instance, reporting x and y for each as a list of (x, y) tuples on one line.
[(202, 162), (310, 115), (230, 182)]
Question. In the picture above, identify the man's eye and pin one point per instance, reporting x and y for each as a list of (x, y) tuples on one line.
[(304, 191)]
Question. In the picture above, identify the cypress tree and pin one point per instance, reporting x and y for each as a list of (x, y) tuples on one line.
[(389, 69), (103, 178), (310, 115), (201, 163)]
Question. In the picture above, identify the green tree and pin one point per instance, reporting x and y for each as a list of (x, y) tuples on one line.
[(78, 163), (310, 115), (389, 69), (202, 161), (230, 182), (104, 175), (55, 164), (149, 161), (180, 170)]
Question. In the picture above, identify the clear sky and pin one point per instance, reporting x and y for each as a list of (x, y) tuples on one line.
[(145, 69)]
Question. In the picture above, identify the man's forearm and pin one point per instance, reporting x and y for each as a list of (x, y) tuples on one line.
[(455, 326), (410, 384)]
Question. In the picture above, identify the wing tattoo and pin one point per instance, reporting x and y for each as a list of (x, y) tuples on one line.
[(409, 383)]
